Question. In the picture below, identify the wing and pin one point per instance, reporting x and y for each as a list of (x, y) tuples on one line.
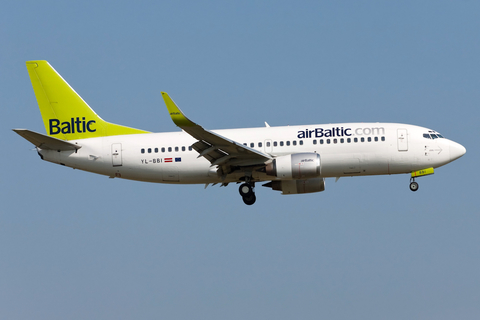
[(217, 149)]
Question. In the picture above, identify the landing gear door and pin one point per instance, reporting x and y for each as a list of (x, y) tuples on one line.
[(117, 154), (402, 140)]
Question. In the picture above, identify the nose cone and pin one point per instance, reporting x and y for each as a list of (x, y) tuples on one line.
[(456, 151)]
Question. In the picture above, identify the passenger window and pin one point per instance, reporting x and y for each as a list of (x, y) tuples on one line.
[(328, 141), (142, 151), (252, 145), (176, 149), (190, 148), (245, 144), (268, 143), (281, 143), (183, 148), (321, 141), (163, 149), (362, 139), (383, 138), (274, 143), (349, 140), (156, 150), (259, 144), (149, 150), (301, 142), (288, 143), (335, 140), (369, 139), (169, 149), (376, 139), (314, 141), (355, 139), (342, 140)]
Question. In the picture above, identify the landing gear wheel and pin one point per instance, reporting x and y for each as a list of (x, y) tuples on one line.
[(247, 192), (245, 189), (413, 186), (249, 199)]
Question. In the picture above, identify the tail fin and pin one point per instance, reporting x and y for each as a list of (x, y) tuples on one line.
[(65, 115)]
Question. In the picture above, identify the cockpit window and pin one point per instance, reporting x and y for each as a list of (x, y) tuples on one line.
[(433, 134), (426, 135)]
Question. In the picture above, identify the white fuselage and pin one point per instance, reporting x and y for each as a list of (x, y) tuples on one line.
[(346, 149)]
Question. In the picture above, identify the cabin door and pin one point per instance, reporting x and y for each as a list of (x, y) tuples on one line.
[(402, 140), (117, 154)]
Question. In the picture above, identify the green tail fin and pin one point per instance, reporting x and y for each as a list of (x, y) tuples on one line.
[(65, 115)]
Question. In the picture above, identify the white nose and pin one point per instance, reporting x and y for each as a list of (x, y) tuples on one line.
[(456, 151)]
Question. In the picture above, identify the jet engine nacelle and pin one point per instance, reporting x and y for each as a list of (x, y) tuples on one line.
[(298, 186), (295, 166)]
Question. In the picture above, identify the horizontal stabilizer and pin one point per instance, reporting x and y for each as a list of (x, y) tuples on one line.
[(45, 142)]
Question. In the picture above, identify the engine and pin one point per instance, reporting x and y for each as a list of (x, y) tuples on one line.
[(298, 186), (295, 166), (300, 173)]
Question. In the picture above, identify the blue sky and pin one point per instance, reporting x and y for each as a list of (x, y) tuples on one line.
[(75, 245)]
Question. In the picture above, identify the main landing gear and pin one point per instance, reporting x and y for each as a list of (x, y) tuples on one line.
[(413, 184), (247, 191)]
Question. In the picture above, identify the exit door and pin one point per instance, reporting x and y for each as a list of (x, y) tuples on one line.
[(402, 140), (117, 154)]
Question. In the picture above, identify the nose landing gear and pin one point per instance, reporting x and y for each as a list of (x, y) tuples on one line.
[(419, 173), (413, 184), (247, 191)]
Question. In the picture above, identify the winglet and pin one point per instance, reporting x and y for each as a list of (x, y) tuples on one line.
[(177, 115)]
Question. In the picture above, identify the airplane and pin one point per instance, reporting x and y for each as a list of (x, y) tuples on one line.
[(290, 159)]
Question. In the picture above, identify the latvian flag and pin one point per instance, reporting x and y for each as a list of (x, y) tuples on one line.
[(168, 160)]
